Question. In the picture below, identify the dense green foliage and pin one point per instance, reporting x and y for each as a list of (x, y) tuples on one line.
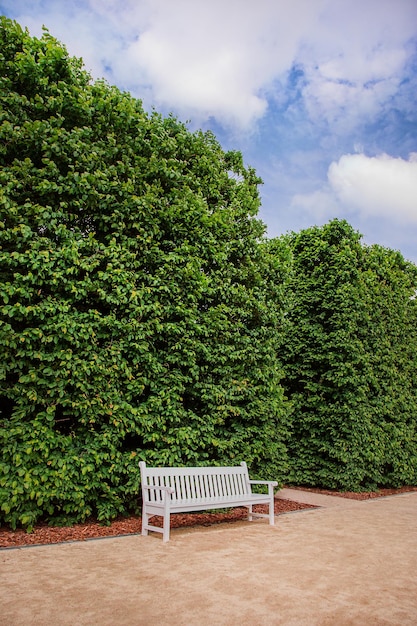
[(144, 316), (350, 354), (140, 309)]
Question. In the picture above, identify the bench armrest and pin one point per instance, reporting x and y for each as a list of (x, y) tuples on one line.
[(263, 482)]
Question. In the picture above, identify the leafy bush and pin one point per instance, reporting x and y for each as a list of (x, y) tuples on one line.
[(350, 360), (137, 316)]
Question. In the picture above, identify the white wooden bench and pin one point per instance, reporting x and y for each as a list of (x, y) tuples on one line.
[(167, 490)]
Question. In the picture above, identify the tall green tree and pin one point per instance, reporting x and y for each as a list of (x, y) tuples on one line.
[(135, 318), (350, 359), (389, 336)]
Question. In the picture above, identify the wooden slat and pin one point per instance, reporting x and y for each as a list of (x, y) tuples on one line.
[(171, 484), (206, 493), (223, 486), (233, 484), (243, 486), (209, 490), (193, 482), (227, 480), (176, 486), (198, 487), (152, 494), (218, 486)]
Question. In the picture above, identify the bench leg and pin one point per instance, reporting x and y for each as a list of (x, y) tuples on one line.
[(145, 522), (250, 515), (271, 513), (166, 526)]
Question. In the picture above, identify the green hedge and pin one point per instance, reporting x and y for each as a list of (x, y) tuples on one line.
[(137, 320), (350, 355)]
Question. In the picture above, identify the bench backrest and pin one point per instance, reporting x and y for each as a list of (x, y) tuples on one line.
[(191, 483)]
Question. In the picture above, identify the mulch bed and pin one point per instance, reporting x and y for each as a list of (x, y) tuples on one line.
[(44, 534), (363, 495)]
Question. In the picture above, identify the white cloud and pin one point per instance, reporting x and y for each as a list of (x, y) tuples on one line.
[(219, 58), (363, 187), (223, 59), (381, 186), (354, 60), (344, 105)]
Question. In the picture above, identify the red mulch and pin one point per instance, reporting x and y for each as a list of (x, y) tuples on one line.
[(363, 495), (44, 534)]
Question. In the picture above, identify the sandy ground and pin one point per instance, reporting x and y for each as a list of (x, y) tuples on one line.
[(349, 564)]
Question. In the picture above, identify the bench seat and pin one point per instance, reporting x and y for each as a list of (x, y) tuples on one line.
[(181, 490)]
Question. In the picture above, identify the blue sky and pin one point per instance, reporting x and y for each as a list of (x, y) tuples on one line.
[(319, 95)]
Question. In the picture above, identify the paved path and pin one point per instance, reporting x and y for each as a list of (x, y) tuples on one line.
[(350, 565)]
